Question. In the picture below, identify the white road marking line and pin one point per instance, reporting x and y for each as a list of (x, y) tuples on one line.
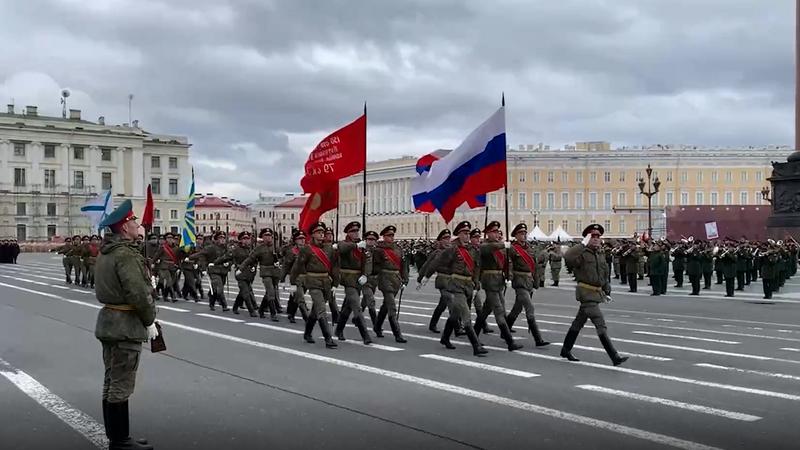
[(458, 390), (418, 307), (785, 331), (791, 349), (274, 327), (711, 352), (477, 365), (753, 372), (74, 418), (228, 319), (690, 338), (171, 308), (675, 404), (598, 349), (293, 331)]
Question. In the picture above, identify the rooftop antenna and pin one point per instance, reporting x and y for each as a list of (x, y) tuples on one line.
[(64, 94), (130, 102)]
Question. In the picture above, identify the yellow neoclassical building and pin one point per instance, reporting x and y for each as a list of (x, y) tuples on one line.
[(571, 187)]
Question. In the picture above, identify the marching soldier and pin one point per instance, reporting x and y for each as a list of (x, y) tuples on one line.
[(694, 269), (316, 262), (679, 264), (189, 269), (268, 260), (92, 250), (541, 263), (65, 261), (296, 299), (368, 289), (442, 272), (707, 265), (726, 261), (211, 252), (555, 257), (658, 266), (392, 273), (352, 255), (84, 255), (464, 262), (630, 260), (164, 260), (524, 282), (244, 274), (126, 320), (591, 271), (75, 260), (331, 296), (493, 262), (478, 298)]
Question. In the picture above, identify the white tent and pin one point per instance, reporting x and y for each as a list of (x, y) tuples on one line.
[(560, 235), (537, 234)]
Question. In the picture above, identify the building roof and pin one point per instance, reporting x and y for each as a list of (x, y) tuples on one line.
[(297, 202), (212, 201)]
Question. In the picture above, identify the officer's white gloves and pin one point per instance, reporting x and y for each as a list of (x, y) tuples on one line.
[(608, 298), (195, 266), (152, 332), (586, 239), (153, 281), (185, 259), (335, 246), (362, 244), (227, 264), (252, 269), (507, 244), (362, 280), (210, 264), (238, 272)]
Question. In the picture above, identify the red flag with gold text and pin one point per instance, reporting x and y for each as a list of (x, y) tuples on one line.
[(339, 155)]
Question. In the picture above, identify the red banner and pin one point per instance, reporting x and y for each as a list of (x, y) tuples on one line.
[(341, 154), (317, 204), (147, 215)]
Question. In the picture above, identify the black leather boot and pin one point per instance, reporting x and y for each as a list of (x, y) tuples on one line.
[(377, 325), (303, 311), (612, 353), (506, 335), (569, 341), (537, 337), (326, 333), (432, 324), (307, 334), (118, 429), (480, 323), (291, 309), (448, 330), (339, 331), (373, 315), (362, 329), (477, 348), (398, 336)]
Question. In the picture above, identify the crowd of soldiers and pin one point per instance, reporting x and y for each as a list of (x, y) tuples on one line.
[(9, 250)]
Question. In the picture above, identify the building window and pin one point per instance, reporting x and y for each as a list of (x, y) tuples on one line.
[(51, 231), (492, 200), (226, 216), (157, 214), (521, 176), (670, 198), (714, 198), (78, 179), (173, 162), (564, 176), (49, 178), (537, 201), (156, 229), (155, 184), (204, 228), (759, 176), (19, 149), (592, 200), (607, 177), (51, 210), (593, 177), (565, 200), (698, 198), (638, 199), (173, 229), (579, 200), (607, 200), (578, 226), (669, 177), (621, 199), (536, 176), (105, 154), (744, 176), (22, 233), (49, 150), (551, 200), (550, 177), (19, 177), (22, 209), (173, 214), (155, 162), (522, 203), (77, 152), (684, 176), (714, 176), (565, 225), (621, 179), (549, 226), (607, 225), (106, 181), (729, 198), (743, 198), (173, 186), (621, 225), (638, 175), (579, 178), (699, 176), (728, 176), (684, 198)]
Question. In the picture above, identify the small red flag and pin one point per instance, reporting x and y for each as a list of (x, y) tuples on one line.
[(317, 204), (147, 215), (341, 154)]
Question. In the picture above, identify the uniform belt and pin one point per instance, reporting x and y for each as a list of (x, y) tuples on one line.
[(590, 287), (317, 274), (518, 272), (461, 277), (390, 271), (492, 272), (350, 271), (120, 307), (439, 274)]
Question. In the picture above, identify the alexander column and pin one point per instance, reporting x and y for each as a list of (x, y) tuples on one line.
[(785, 179)]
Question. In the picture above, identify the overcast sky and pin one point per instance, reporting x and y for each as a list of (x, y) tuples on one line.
[(256, 83)]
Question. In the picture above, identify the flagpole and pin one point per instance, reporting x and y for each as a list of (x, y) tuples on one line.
[(505, 189), (336, 234), (363, 182)]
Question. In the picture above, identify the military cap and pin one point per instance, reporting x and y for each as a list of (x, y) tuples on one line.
[(391, 229), (371, 234), (168, 235), (491, 226), (352, 226), (317, 226), (218, 234), (298, 234), (443, 234), (67, 239), (265, 231), (95, 237), (475, 232), (77, 236), (594, 228), (244, 234), (518, 228), (462, 226), (152, 236), (122, 214)]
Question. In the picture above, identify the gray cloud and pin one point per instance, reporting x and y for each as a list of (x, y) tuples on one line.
[(255, 83)]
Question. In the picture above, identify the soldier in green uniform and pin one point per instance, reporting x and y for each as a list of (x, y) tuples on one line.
[(392, 271), (541, 263), (296, 299), (126, 320), (75, 259), (368, 289), (555, 257), (591, 269), (92, 250), (164, 260), (65, 260), (189, 269), (83, 252), (201, 266), (478, 297), (267, 258), (317, 262), (210, 253), (245, 272), (431, 266), (694, 268), (493, 263), (522, 266), (351, 255), (330, 296), (464, 262)]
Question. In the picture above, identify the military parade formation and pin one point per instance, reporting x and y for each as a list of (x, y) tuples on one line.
[(9, 251)]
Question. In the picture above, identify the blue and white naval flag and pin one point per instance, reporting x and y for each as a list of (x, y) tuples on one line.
[(98, 207)]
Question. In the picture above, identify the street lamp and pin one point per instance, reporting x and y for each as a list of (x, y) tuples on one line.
[(535, 214), (765, 194), (649, 194), (216, 222)]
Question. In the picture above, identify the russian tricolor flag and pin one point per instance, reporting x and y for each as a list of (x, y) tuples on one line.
[(466, 174)]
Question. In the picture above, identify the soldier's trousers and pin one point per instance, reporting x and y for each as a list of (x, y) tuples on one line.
[(85, 270), (623, 277), (120, 360), (493, 304), (319, 305), (189, 284), (389, 308), (245, 296), (747, 274), (522, 300), (368, 301), (590, 311), (77, 265), (767, 285), (459, 307), (165, 279), (477, 300), (555, 273), (217, 293), (729, 286), (351, 304), (616, 270), (754, 274), (739, 280), (198, 282), (67, 268), (719, 277), (679, 278), (445, 297), (707, 280), (270, 299), (695, 280), (658, 284), (632, 281), (330, 296)]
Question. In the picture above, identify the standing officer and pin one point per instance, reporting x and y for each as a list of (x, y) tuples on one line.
[(767, 260), (352, 257), (316, 262), (368, 290), (126, 320), (442, 272), (555, 257), (726, 261), (266, 256), (464, 262), (392, 273), (591, 272), (493, 263), (524, 282), (742, 253), (210, 253)]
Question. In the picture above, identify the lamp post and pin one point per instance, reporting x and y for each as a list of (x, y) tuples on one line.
[(535, 214), (649, 194), (765, 194), (427, 220), (216, 222)]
